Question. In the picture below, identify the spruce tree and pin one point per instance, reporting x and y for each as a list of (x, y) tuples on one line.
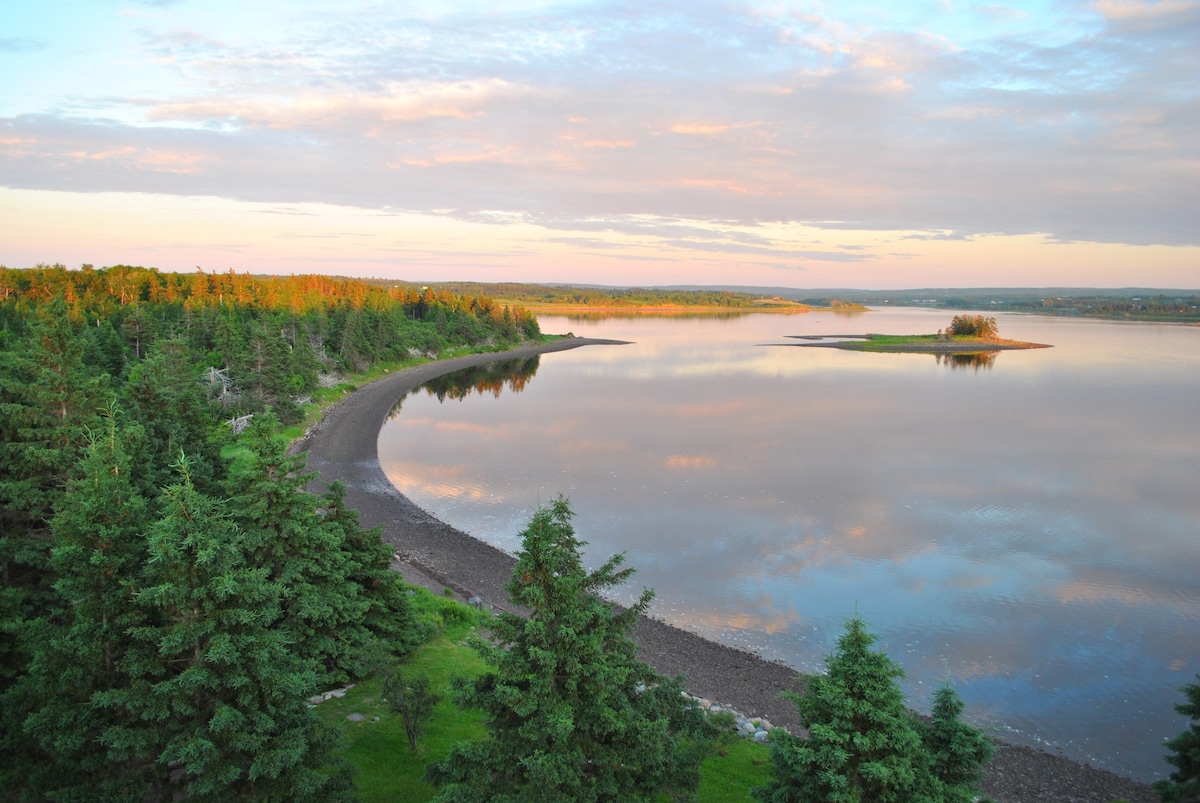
[(389, 618), (322, 610), (49, 400), (214, 709), (958, 752), (862, 744), (265, 372), (164, 395), (1183, 785), (571, 714), (98, 553)]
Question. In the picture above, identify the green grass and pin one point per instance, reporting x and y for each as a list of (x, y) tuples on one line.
[(730, 774), (377, 747), (388, 770), (901, 340)]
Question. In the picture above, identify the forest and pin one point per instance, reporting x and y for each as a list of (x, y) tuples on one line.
[(171, 594)]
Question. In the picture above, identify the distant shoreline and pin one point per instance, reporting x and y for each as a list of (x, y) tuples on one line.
[(666, 309)]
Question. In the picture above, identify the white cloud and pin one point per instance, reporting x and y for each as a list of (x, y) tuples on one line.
[(696, 113)]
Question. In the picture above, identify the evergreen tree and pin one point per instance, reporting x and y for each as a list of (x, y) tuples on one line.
[(48, 402), (165, 396), (215, 705), (304, 367), (266, 374), (957, 750), (322, 611), (98, 553), (390, 618), (863, 745), (229, 340), (104, 350), (572, 716), (1183, 785), (340, 601)]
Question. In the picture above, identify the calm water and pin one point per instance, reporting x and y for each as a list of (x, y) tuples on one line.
[(1029, 527)]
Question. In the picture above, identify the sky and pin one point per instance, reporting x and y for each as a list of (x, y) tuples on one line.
[(847, 144)]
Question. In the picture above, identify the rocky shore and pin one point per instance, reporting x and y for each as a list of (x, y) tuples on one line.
[(343, 446)]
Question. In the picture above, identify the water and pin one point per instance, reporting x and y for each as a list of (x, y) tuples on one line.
[(1028, 527)]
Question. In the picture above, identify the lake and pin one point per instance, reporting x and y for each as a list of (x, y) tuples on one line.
[(1028, 526)]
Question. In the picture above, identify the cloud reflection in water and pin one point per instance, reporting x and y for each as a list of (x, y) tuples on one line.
[(1029, 529)]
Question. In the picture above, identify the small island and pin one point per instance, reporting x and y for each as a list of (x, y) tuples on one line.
[(966, 334)]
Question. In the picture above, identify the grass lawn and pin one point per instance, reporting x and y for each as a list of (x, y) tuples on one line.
[(377, 746), (389, 771)]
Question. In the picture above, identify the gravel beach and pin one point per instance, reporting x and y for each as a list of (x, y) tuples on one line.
[(342, 446)]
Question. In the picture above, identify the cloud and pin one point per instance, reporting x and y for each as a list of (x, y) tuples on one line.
[(1001, 12), (694, 124), (1140, 10), (694, 462), (10, 44)]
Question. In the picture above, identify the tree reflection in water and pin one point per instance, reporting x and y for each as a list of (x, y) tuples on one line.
[(968, 359), (492, 377)]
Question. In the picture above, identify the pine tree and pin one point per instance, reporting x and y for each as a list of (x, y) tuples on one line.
[(389, 618), (49, 399), (572, 716), (164, 395), (1183, 785), (322, 611), (863, 745), (98, 553), (957, 750), (48, 402), (215, 704)]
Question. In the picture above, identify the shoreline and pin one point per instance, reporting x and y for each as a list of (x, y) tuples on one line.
[(343, 445)]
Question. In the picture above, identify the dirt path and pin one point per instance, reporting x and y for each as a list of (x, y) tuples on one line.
[(343, 446)]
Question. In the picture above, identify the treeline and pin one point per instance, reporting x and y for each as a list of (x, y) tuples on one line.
[(165, 612), (611, 297), (1144, 308), (262, 341)]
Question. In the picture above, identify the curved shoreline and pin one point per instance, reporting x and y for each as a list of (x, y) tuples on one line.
[(343, 446)]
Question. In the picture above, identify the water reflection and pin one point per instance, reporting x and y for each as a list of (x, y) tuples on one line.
[(488, 379), (978, 360), (1031, 530)]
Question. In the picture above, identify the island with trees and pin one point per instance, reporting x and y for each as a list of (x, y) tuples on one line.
[(966, 334)]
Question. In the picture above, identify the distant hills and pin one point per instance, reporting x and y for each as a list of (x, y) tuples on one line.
[(1133, 303)]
